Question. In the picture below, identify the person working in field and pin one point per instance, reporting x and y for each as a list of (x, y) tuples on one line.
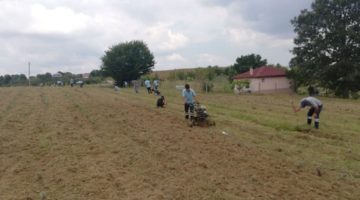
[(156, 87), (315, 109), (148, 86), (136, 85), (156, 84), (160, 103), (189, 96)]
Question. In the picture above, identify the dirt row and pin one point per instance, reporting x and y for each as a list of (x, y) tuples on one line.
[(93, 143)]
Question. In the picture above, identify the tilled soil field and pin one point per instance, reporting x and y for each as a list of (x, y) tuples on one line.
[(94, 143)]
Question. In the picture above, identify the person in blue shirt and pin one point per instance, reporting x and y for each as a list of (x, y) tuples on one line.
[(189, 96), (156, 84), (156, 87), (148, 86), (315, 109)]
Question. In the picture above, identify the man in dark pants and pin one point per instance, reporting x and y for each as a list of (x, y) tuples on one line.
[(315, 109), (189, 100)]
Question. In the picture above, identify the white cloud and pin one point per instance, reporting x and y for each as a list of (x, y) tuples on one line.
[(247, 38), (13, 16), (175, 57), (175, 40), (164, 39), (206, 59), (57, 20), (58, 35)]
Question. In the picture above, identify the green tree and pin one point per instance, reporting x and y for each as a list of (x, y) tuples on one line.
[(297, 79), (230, 72), (244, 63), (210, 73), (7, 79), (190, 75), (44, 78), (127, 61), (180, 75), (327, 46), (96, 73)]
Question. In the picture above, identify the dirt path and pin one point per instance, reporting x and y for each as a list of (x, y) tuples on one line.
[(92, 143)]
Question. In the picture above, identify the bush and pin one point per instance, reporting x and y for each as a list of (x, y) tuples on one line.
[(180, 75), (94, 80), (241, 83), (228, 87)]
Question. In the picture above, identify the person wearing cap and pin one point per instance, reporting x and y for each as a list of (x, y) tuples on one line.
[(315, 109), (189, 96)]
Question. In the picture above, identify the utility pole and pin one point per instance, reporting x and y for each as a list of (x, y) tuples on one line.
[(29, 74)]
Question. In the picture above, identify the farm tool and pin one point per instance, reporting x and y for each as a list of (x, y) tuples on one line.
[(200, 117)]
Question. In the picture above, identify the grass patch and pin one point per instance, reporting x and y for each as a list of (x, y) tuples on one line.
[(268, 122)]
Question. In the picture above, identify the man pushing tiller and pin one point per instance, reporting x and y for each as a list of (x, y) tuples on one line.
[(189, 100)]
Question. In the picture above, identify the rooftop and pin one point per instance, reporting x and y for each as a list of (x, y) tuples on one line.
[(262, 72)]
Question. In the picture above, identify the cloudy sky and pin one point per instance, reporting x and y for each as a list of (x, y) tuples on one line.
[(69, 35)]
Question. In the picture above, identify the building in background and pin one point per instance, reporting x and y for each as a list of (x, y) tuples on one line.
[(265, 79)]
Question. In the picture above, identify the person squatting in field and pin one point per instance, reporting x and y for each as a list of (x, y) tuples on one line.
[(160, 103), (189, 100), (315, 109)]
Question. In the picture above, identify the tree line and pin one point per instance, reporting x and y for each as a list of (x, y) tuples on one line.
[(7, 80), (13, 80)]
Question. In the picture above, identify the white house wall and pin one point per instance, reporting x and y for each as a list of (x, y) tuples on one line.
[(269, 84)]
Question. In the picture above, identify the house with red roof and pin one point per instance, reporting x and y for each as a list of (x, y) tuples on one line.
[(265, 79)]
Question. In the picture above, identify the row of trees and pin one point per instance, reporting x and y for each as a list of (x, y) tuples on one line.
[(126, 72), (15, 80), (48, 79), (208, 73)]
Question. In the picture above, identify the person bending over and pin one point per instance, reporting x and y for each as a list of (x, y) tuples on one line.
[(315, 109)]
